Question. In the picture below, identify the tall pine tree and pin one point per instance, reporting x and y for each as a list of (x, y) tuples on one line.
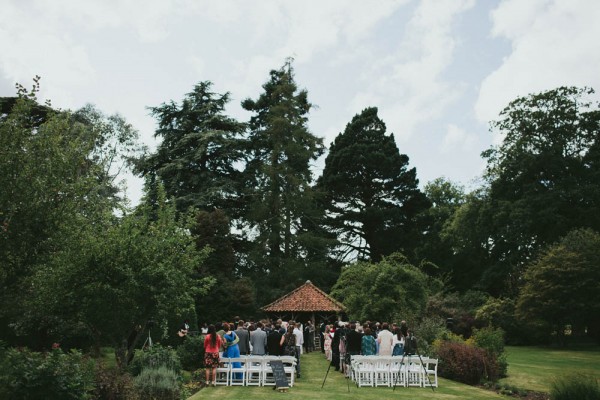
[(372, 196), (280, 150)]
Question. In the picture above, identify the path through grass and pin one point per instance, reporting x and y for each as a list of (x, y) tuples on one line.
[(314, 367)]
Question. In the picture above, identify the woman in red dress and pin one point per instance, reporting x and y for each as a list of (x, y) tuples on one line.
[(212, 343)]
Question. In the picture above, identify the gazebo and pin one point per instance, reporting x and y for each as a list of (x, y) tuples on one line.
[(305, 303)]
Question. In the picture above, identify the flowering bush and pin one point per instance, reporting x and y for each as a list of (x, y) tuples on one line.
[(465, 363)]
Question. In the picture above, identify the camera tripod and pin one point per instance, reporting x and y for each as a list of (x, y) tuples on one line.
[(422, 365), (148, 340), (343, 359)]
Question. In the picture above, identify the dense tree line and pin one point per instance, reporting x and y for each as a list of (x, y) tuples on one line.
[(233, 216)]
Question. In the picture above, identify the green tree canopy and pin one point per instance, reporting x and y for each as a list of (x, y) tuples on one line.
[(391, 290), (196, 160), (113, 277), (372, 197), (562, 286)]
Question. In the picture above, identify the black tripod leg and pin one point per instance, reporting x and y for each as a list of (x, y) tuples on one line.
[(426, 374), (327, 373), (399, 372)]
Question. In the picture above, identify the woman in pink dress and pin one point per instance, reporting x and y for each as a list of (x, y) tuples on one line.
[(327, 342)]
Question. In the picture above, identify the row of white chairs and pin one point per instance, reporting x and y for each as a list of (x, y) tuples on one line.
[(253, 370), (394, 371)]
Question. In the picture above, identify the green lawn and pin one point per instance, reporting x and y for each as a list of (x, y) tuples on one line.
[(314, 367), (534, 368)]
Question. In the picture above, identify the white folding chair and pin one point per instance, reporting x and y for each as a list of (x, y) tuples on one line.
[(289, 367), (381, 371), (222, 372), (267, 378), (254, 370), (414, 372), (237, 372), (364, 371), (398, 371), (430, 372)]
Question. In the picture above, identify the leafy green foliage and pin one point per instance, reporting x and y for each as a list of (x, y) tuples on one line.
[(57, 170), (196, 160), (391, 290), (562, 287), (372, 197), (158, 383), (492, 341), (154, 357), (191, 352), (56, 375), (113, 384), (115, 277), (575, 386), (278, 181)]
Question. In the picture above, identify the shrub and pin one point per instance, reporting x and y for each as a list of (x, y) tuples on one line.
[(464, 363), (154, 357), (113, 384), (158, 383), (575, 387), (492, 341), (55, 375), (191, 353), (427, 331)]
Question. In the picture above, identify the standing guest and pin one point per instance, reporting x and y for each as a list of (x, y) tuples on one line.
[(398, 343), (232, 349), (353, 340), (385, 339), (204, 329), (327, 342), (258, 340), (244, 336), (404, 328), (335, 348), (368, 344), (288, 341), (311, 337), (212, 344), (299, 342), (274, 342), (322, 329)]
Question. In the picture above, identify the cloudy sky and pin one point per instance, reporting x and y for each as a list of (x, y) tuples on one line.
[(438, 70)]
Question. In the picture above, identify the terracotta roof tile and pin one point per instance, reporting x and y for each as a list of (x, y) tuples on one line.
[(307, 297)]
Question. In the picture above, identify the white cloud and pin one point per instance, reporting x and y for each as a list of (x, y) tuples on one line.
[(553, 44), (457, 139), (411, 80)]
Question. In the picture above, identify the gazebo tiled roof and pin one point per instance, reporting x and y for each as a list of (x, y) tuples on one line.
[(306, 298)]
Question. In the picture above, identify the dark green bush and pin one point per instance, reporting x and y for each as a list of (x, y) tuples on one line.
[(575, 387), (426, 331), (191, 353), (158, 383), (25, 374), (154, 357), (464, 363), (113, 384)]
